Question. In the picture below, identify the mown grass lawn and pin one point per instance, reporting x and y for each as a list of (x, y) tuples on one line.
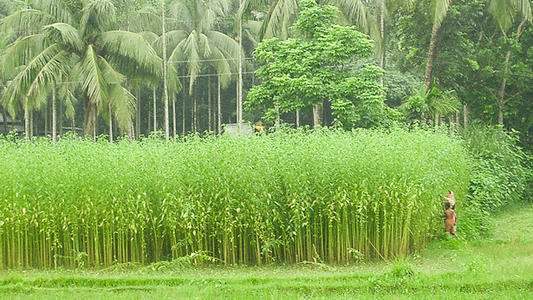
[(498, 267)]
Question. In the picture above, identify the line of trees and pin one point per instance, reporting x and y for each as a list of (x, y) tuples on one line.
[(131, 67)]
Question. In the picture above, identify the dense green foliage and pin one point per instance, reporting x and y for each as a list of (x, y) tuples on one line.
[(324, 62), (323, 196), (447, 61), (500, 176)]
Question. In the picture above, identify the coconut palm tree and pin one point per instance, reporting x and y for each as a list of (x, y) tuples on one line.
[(371, 16), (504, 13), (58, 48), (195, 44), (151, 22), (439, 12)]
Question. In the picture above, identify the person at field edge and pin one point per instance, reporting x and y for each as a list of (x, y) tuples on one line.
[(450, 198), (450, 219)]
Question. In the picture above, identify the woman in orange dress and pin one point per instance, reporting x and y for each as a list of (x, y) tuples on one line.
[(450, 220)]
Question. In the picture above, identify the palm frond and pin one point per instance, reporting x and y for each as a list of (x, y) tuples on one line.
[(98, 15), (45, 77), (193, 56), (123, 103), (173, 82), (148, 18), (441, 10), (92, 78), (173, 38), (524, 9), (279, 17), (41, 66), (222, 66), (505, 11), (19, 53), (356, 11), (149, 37), (66, 95), (121, 100), (134, 47), (28, 21), (64, 34), (228, 46), (54, 8), (110, 75)]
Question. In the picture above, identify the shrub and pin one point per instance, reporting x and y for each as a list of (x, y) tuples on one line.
[(499, 176), (284, 197)]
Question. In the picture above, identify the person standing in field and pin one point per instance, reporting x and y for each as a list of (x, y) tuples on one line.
[(450, 219), (450, 198)]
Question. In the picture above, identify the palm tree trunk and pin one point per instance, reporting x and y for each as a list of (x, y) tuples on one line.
[(278, 117), (237, 91), (503, 85), (465, 115), (165, 88), (138, 114), (183, 111), (501, 92), (174, 115), (240, 83), (317, 115), (382, 33), (431, 56), (209, 103), (45, 115), (192, 112), (111, 123), (131, 132), (155, 108), (26, 121), (94, 122), (60, 120), (4, 120), (54, 115), (150, 123), (195, 114), (31, 124), (89, 124), (219, 106)]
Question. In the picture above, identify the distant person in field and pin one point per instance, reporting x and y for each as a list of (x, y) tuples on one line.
[(450, 198), (450, 218)]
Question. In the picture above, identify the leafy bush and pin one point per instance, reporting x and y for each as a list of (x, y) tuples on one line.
[(282, 197), (499, 176)]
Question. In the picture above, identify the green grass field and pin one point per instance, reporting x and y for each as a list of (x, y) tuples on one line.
[(498, 267)]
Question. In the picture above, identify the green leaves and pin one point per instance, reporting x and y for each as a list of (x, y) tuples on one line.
[(33, 79), (134, 50), (98, 16), (64, 34), (93, 81), (318, 66)]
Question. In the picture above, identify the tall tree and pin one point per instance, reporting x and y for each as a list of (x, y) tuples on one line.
[(505, 13), (165, 84), (89, 52), (317, 66), (439, 12), (195, 44)]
